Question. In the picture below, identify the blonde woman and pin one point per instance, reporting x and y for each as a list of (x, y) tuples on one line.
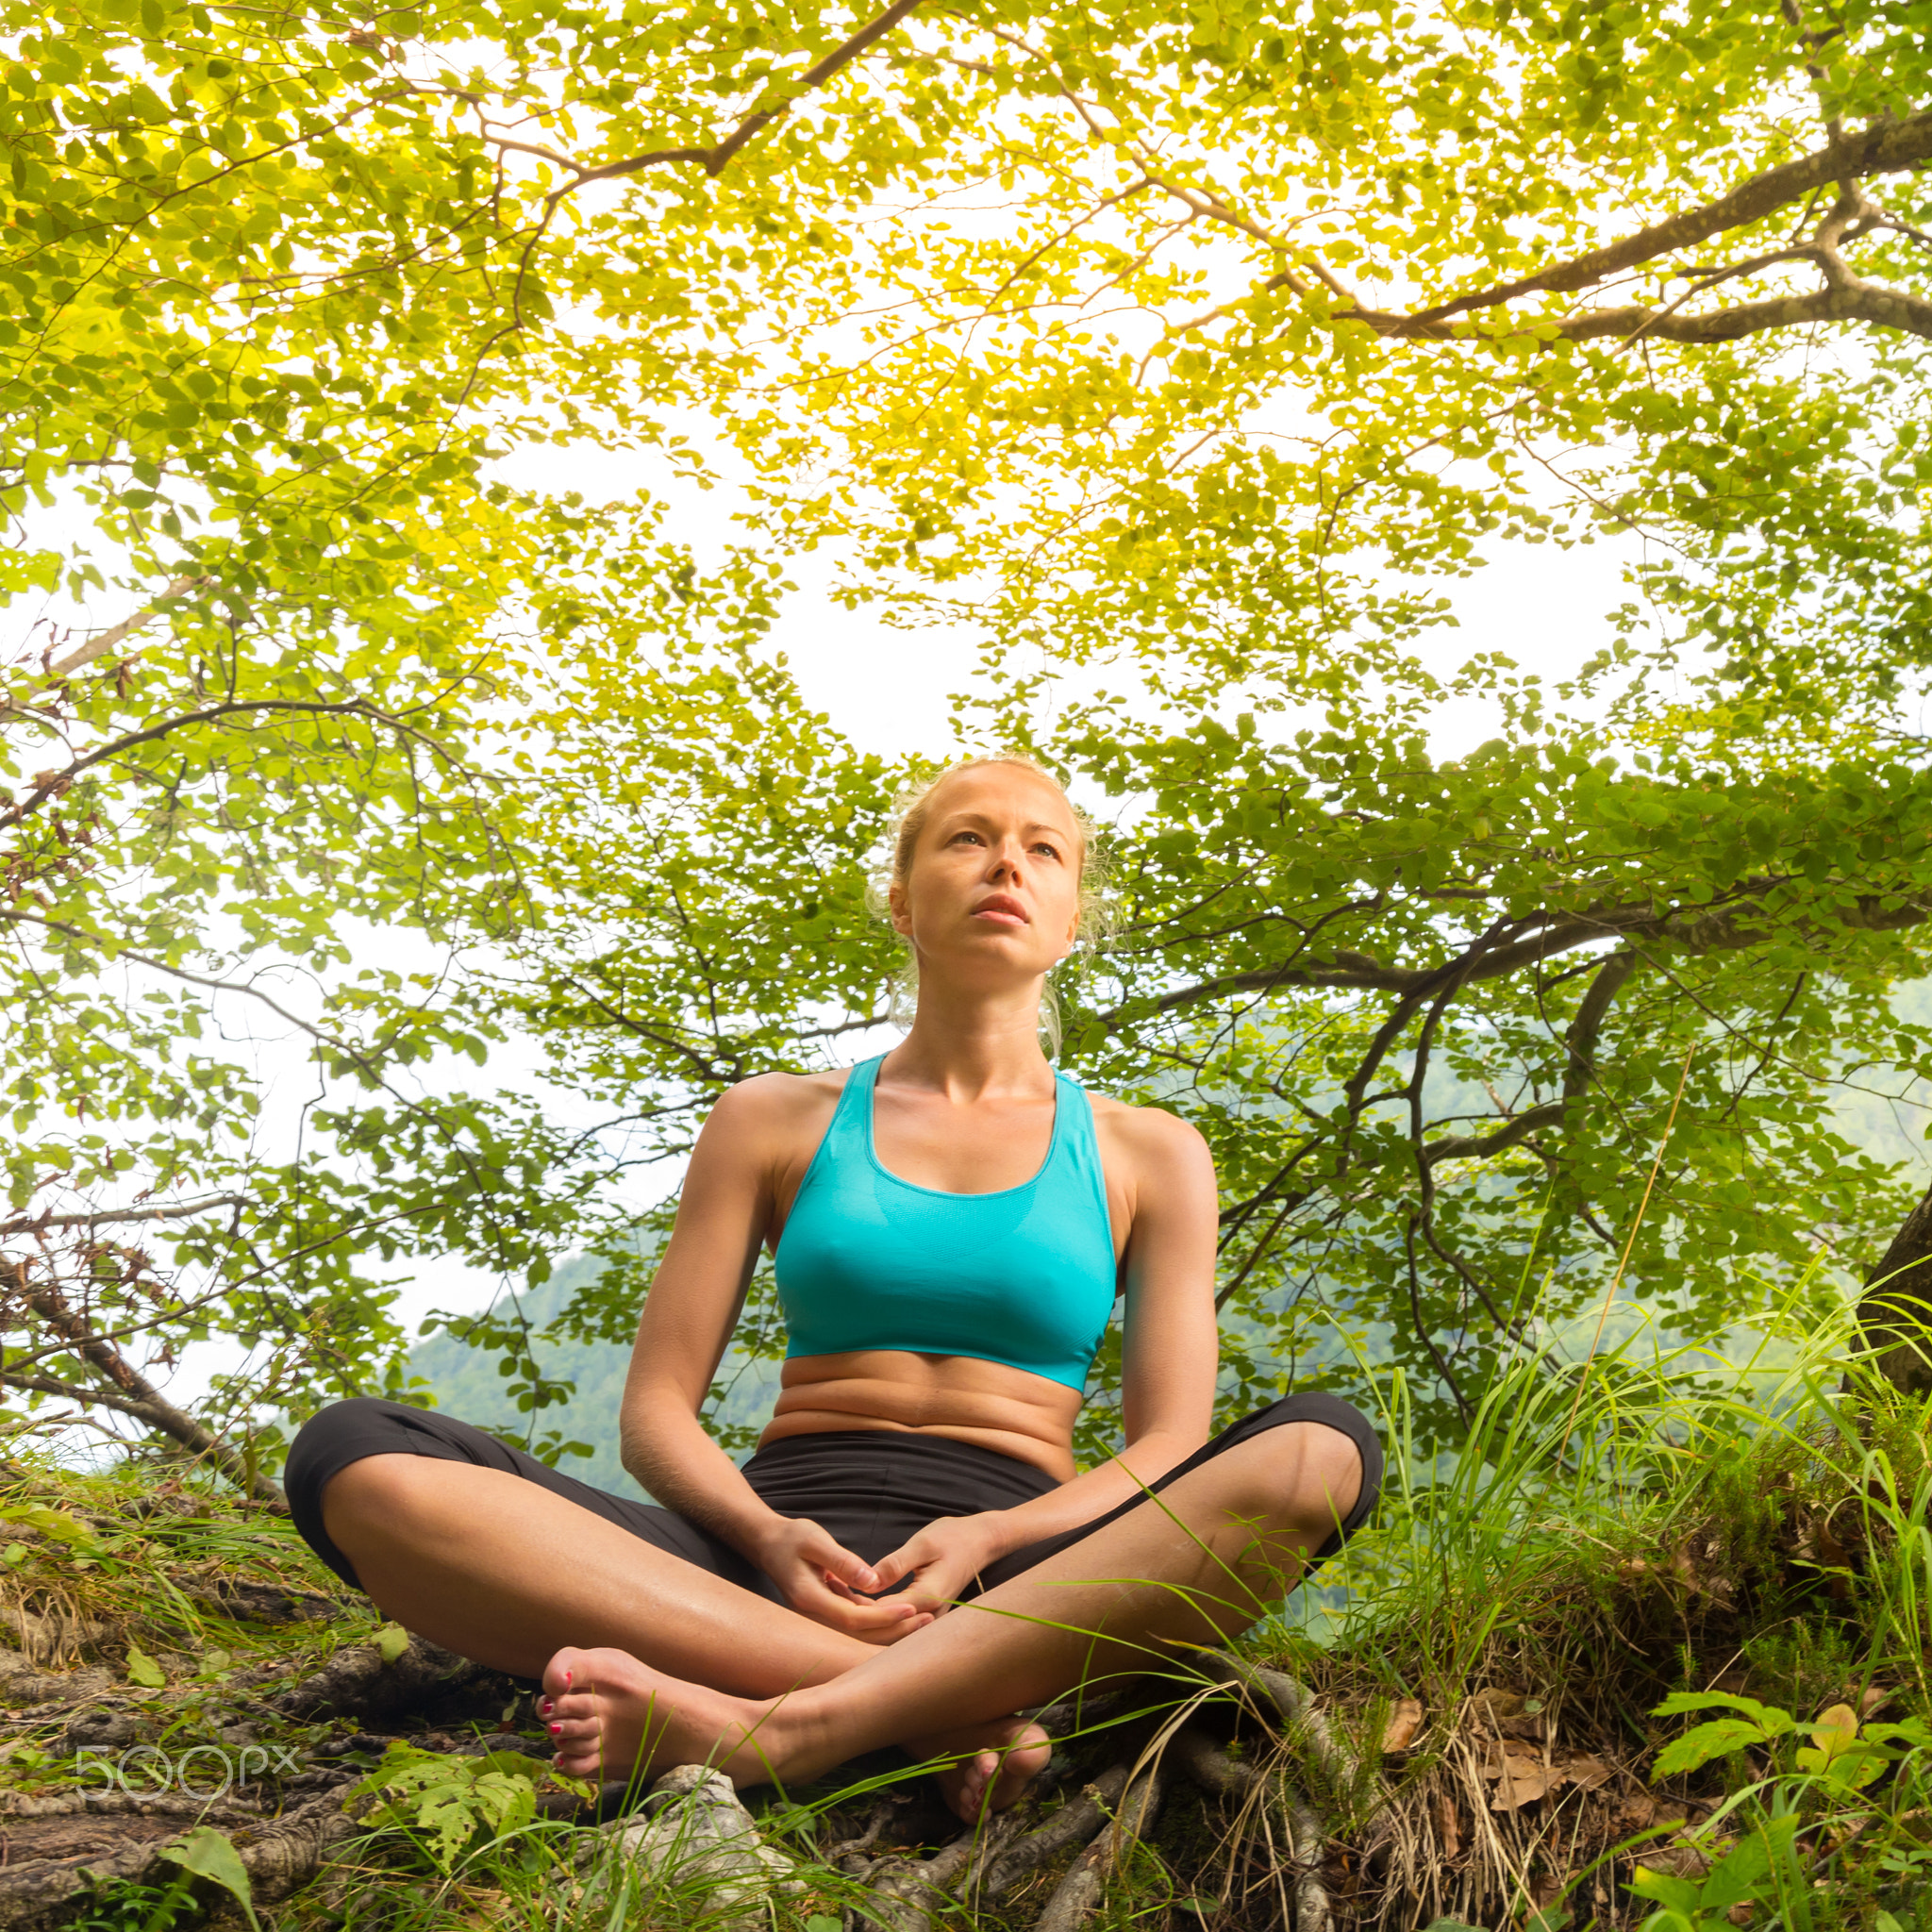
[(911, 1556)]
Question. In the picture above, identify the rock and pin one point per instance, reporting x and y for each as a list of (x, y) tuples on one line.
[(694, 1836)]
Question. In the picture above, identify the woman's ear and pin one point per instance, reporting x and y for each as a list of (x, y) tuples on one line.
[(899, 910)]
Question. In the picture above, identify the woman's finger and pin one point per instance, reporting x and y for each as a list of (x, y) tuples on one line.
[(877, 1623), (901, 1563), (836, 1560)]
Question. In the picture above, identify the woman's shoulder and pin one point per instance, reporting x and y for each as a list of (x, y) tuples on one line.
[(769, 1102), (1149, 1133)]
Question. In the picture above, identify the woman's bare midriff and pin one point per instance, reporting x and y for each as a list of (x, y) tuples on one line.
[(1009, 1410)]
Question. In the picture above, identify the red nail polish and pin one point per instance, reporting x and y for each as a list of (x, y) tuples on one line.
[(556, 1730)]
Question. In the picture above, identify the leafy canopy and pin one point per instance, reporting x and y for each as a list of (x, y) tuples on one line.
[(1186, 358)]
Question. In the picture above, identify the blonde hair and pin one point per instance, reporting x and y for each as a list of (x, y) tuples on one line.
[(910, 811)]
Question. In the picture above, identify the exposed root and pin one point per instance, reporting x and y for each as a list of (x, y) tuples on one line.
[(1302, 1722), (1313, 1910), (1210, 1766), (22, 1683), (1073, 1823), (279, 1854), (904, 1894), (360, 1682), (1222, 1776), (1080, 1891)]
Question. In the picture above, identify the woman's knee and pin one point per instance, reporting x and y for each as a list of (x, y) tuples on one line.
[(1301, 1472)]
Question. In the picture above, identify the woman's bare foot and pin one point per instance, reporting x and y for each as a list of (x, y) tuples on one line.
[(612, 1715), (1012, 1754)]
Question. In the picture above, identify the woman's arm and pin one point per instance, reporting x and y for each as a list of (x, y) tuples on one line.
[(1168, 1360), (727, 1204)]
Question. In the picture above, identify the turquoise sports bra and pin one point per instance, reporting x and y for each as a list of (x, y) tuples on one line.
[(1025, 1276)]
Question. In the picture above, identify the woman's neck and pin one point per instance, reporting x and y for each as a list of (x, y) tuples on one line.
[(972, 1048)]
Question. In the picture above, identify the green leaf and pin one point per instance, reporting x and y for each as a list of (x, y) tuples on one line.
[(1680, 1895), (390, 1643), (54, 1522), (1743, 1871), (142, 1668), (1769, 1718), (211, 1854), (1705, 1742)]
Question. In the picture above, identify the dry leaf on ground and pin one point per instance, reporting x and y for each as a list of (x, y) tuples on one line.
[(1522, 1776), (1492, 1707), (1588, 1771), (1448, 1825), (1676, 1861), (1404, 1721)]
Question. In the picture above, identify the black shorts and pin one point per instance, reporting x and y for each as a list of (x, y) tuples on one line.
[(870, 1490)]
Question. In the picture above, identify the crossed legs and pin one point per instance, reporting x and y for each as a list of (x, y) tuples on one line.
[(650, 1659), (1195, 1565)]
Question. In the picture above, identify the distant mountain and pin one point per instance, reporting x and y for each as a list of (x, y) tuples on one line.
[(467, 1385)]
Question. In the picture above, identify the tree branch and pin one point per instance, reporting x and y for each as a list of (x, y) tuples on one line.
[(34, 1224), (52, 784), (715, 158), (1480, 1146), (115, 634), (1580, 1042), (132, 1393), (1697, 930), (1887, 147)]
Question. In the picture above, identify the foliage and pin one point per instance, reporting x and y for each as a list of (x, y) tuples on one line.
[(1184, 356), (444, 1803), (206, 1852), (1742, 1876)]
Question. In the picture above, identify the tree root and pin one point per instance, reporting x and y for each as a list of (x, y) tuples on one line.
[(285, 1854), (903, 1893), (279, 1854), (1293, 1703), (359, 1682), (22, 1682), (1075, 1822), (1079, 1892), (1222, 1776)]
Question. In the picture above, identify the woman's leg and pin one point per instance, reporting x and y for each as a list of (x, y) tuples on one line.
[(494, 1568), (1210, 1555)]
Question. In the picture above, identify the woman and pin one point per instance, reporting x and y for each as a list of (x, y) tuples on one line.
[(911, 1556)]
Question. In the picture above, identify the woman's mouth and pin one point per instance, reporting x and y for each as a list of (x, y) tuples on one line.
[(1001, 912)]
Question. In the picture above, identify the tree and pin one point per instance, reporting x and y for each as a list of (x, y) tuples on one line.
[(1188, 352)]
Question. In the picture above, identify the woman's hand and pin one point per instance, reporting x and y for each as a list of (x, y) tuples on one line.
[(823, 1580), (943, 1560)]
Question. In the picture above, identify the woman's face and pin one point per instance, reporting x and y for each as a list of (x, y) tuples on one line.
[(995, 873)]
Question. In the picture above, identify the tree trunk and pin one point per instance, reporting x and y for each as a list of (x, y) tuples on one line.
[(1895, 1310)]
